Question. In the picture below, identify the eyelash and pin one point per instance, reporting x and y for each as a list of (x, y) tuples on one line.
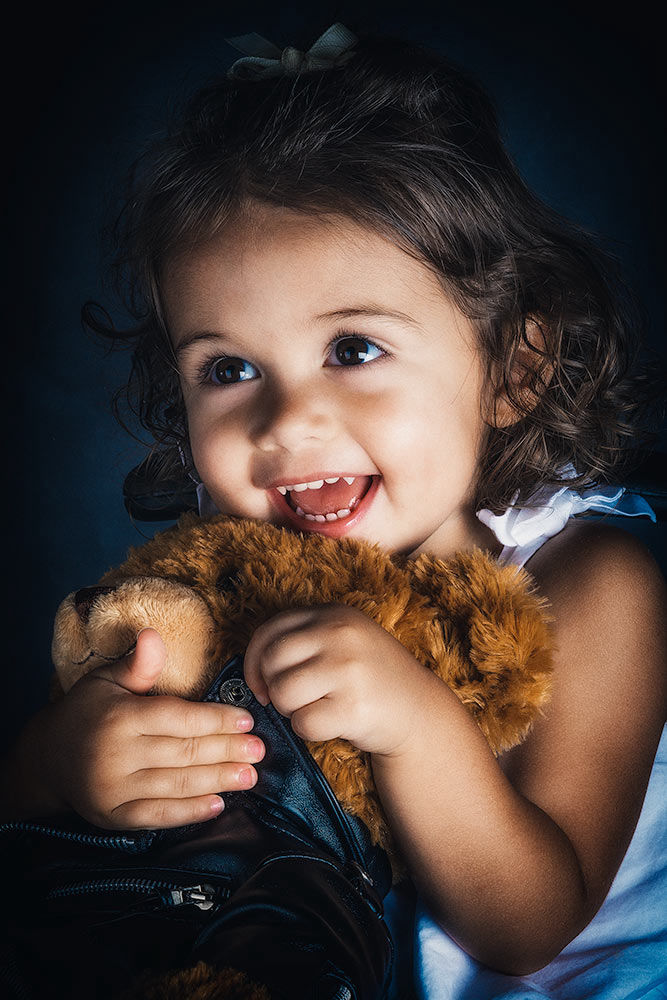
[(204, 370)]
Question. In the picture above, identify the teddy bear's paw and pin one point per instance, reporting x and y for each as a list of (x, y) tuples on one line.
[(202, 982), (98, 625)]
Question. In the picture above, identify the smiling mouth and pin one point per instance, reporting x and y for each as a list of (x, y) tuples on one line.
[(332, 504)]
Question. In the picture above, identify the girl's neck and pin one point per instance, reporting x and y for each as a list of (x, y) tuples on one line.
[(466, 534)]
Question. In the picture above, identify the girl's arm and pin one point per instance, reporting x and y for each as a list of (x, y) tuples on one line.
[(516, 856)]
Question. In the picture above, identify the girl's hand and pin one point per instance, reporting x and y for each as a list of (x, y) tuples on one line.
[(334, 672), (126, 761)]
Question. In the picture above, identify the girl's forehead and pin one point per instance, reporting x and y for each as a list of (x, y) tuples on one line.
[(298, 253)]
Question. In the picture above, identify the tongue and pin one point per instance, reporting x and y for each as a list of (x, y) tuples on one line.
[(331, 497)]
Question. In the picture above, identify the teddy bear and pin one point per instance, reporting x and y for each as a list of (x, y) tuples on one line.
[(206, 584)]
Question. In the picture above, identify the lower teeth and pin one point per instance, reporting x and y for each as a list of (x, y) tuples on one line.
[(321, 518)]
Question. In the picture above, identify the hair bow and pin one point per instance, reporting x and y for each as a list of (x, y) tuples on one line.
[(264, 59)]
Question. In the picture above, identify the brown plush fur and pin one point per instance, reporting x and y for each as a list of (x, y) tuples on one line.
[(202, 982), (206, 585)]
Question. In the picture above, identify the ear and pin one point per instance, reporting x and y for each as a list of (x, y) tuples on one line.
[(530, 373)]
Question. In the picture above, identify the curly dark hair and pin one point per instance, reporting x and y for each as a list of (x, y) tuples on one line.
[(402, 141)]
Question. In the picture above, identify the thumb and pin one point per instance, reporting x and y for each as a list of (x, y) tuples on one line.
[(139, 670)]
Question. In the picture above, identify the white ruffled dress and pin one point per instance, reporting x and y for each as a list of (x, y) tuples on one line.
[(622, 953)]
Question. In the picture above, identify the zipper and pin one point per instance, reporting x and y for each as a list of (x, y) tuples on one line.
[(141, 841), (203, 896)]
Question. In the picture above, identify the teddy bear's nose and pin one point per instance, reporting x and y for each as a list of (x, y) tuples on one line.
[(86, 597)]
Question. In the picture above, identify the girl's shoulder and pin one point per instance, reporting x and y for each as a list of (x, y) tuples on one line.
[(589, 553), (606, 588)]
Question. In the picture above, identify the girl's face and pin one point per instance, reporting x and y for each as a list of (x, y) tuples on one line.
[(313, 351)]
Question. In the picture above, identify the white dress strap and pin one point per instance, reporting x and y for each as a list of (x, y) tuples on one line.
[(522, 530)]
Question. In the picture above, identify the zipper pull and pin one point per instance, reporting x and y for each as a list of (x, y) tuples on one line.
[(202, 896)]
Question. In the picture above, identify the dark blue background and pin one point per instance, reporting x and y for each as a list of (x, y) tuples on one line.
[(581, 110)]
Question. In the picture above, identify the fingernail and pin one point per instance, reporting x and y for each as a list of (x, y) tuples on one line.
[(245, 722), (247, 777), (217, 805), (254, 747)]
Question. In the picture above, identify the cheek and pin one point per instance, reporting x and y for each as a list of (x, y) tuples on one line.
[(216, 445), (433, 434), (425, 414)]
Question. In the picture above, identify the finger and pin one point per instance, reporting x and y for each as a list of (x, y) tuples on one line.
[(149, 814), (275, 645), (139, 670), (169, 751), (299, 685), (166, 715), (189, 782), (320, 720)]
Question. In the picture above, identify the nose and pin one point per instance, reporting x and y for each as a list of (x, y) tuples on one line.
[(292, 415)]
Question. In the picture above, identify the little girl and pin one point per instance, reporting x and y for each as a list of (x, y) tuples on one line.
[(353, 318)]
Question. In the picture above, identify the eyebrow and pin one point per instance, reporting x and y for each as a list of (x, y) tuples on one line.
[(374, 311), (194, 337)]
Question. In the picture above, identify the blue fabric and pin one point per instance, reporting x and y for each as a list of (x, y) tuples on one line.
[(632, 505)]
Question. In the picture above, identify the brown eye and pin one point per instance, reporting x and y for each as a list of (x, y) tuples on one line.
[(229, 371), (355, 351)]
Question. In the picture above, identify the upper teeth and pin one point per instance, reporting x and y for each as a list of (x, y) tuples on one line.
[(315, 485)]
